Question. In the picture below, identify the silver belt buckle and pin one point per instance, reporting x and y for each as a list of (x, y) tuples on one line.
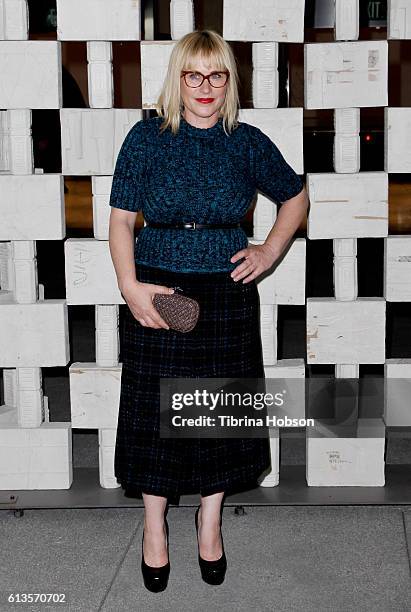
[(190, 225)]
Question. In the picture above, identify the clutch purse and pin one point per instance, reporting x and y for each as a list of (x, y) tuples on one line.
[(178, 311)]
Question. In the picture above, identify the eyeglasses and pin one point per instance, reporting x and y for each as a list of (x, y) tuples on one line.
[(196, 79)]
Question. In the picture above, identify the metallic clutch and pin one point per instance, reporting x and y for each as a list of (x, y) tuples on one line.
[(178, 311)]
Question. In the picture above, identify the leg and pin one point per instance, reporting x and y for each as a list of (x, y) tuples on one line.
[(209, 539), (155, 548)]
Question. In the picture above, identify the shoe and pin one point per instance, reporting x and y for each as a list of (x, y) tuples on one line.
[(212, 572), (155, 578)]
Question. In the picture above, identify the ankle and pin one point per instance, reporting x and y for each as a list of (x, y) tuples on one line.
[(154, 527)]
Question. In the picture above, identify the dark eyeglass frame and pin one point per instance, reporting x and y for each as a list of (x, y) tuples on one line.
[(184, 72)]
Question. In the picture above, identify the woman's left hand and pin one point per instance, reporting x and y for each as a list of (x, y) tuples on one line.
[(258, 258)]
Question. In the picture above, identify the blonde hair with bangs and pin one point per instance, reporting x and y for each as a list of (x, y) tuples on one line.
[(210, 46)]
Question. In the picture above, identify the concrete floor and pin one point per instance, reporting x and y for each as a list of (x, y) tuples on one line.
[(279, 558)]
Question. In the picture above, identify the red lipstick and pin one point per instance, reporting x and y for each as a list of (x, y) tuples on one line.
[(205, 100)]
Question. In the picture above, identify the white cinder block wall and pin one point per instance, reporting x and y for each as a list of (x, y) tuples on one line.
[(345, 330)]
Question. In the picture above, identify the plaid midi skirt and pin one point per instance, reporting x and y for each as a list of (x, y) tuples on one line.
[(226, 342)]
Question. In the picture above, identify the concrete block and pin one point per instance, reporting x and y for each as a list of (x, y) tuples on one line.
[(397, 134), (272, 478), (346, 332), (98, 20), (347, 462), (286, 283), (397, 268), (397, 393), (101, 188), (268, 330), (346, 74), (346, 152), (14, 24), (30, 74), (107, 335), (32, 207), (264, 217), (399, 19), (285, 128), (34, 335), (290, 373), (347, 19), (280, 21), (155, 57), (347, 205), (94, 395), (107, 445), (181, 18), (90, 274), (265, 79), (345, 275), (100, 74), (91, 138), (39, 458), (20, 142)]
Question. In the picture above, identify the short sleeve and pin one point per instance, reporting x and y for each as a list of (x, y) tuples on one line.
[(273, 175), (127, 185)]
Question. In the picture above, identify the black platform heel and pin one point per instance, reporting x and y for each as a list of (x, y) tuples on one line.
[(155, 578), (212, 572)]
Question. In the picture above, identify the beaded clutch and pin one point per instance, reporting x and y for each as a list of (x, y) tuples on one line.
[(178, 311)]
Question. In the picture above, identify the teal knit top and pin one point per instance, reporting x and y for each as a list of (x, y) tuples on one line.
[(202, 175)]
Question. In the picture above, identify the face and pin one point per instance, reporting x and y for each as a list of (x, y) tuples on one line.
[(200, 112)]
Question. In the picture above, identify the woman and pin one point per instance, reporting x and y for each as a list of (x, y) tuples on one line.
[(193, 162)]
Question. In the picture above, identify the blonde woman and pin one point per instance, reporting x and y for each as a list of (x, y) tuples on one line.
[(194, 162)]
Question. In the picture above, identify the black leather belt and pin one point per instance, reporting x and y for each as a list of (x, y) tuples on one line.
[(193, 225)]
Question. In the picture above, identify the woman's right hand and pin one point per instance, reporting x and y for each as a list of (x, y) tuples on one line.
[(139, 297)]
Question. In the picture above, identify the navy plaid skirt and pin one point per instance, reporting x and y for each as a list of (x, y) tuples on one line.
[(226, 342)]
